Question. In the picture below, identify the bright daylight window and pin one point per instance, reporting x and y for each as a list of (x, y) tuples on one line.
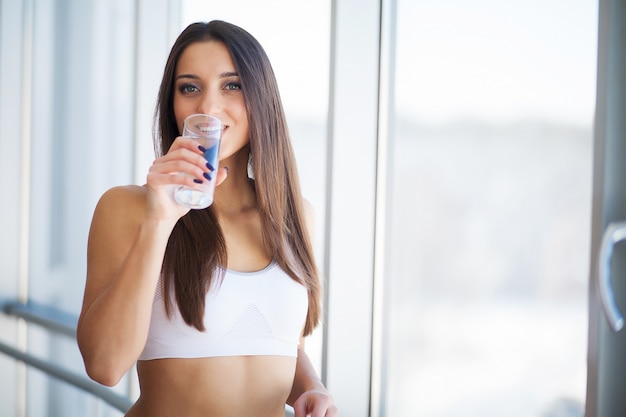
[(491, 208)]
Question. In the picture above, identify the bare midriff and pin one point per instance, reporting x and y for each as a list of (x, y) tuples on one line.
[(234, 386)]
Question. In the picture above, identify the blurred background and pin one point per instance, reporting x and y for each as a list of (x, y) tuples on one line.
[(446, 146)]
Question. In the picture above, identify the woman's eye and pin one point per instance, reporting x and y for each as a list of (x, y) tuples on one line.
[(188, 88), (233, 86)]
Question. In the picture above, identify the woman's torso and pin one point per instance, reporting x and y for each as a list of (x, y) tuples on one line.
[(253, 382), (236, 386)]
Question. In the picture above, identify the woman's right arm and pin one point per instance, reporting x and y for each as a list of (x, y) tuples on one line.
[(124, 257), (127, 240)]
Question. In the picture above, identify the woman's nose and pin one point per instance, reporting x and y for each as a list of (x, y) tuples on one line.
[(210, 104)]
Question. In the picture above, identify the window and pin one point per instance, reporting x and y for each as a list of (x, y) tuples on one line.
[(491, 208)]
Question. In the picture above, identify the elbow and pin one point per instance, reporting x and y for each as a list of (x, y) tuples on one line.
[(106, 362), (104, 373), (105, 369)]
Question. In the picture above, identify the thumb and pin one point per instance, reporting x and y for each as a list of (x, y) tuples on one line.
[(299, 409)]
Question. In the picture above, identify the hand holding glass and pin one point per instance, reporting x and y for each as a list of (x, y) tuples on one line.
[(207, 131)]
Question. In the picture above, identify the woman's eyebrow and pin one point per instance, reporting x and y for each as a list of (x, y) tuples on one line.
[(225, 74), (193, 77)]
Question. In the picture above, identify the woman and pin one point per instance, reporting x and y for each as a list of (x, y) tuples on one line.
[(212, 304)]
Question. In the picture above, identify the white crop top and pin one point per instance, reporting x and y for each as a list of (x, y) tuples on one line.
[(251, 313)]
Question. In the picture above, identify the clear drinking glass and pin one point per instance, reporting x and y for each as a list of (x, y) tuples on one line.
[(207, 131)]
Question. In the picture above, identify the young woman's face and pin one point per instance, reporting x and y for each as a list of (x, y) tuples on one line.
[(206, 81)]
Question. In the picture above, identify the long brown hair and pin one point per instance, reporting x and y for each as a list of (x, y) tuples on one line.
[(196, 250)]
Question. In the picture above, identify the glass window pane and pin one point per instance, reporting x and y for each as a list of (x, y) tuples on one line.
[(491, 208), (81, 120)]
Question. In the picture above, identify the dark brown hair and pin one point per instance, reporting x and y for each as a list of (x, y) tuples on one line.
[(196, 250)]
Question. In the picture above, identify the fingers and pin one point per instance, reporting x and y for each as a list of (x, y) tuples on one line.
[(299, 409), (177, 172), (184, 164), (315, 404)]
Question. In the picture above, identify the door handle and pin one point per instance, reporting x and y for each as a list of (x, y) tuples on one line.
[(614, 233)]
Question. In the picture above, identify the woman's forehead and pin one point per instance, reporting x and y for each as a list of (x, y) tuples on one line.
[(203, 57)]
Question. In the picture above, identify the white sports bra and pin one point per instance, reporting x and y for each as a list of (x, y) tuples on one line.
[(251, 313)]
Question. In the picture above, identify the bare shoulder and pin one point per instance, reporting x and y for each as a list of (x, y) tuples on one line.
[(128, 195), (120, 208), (122, 203), (116, 219)]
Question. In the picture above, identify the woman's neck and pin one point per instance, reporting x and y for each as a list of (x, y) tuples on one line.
[(236, 193)]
